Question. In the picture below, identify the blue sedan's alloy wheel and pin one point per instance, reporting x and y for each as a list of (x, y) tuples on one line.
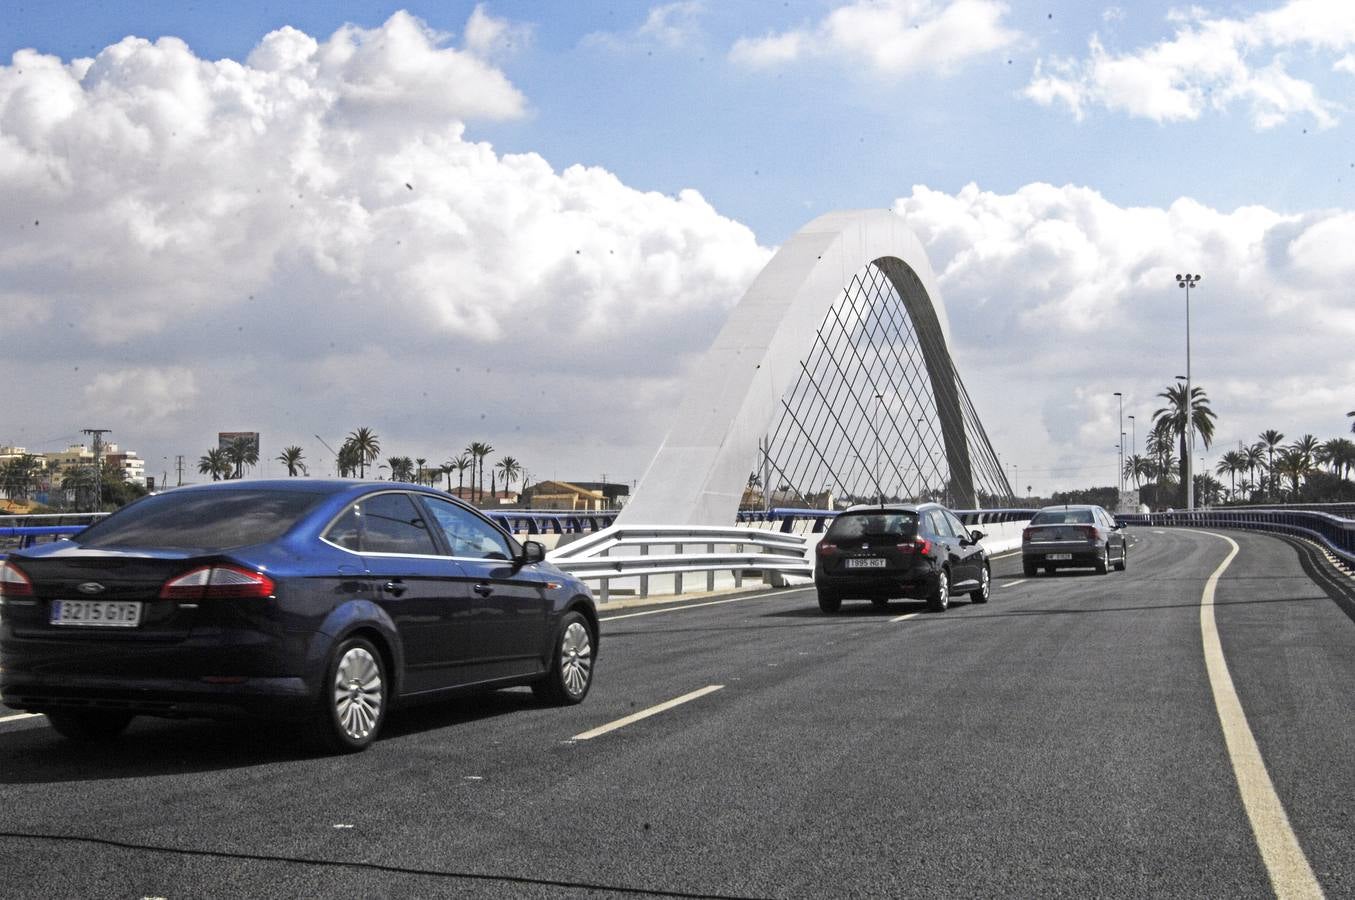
[(571, 670), (353, 697)]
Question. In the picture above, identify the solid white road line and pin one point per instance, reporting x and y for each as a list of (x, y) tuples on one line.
[(19, 716), (646, 713), (655, 612), (904, 617), (1290, 873)]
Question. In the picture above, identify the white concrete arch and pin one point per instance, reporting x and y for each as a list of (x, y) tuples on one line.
[(699, 473)]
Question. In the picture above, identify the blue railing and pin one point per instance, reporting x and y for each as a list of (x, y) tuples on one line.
[(1333, 531)]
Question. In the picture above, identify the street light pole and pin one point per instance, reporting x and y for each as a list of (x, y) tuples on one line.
[(1120, 397), (1189, 281)]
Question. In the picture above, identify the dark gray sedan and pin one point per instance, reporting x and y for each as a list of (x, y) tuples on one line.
[(1080, 536)]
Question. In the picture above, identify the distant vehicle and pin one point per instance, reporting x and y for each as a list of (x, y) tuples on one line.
[(324, 602), (1076, 536), (879, 552)]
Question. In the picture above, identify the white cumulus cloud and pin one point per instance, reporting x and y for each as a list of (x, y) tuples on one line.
[(1059, 297), (892, 37), (1211, 62), (308, 241)]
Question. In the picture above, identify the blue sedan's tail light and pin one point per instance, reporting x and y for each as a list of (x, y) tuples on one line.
[(218, 583), (13, 582)]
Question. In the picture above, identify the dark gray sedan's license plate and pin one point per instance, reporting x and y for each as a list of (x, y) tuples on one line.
[(97, 613)]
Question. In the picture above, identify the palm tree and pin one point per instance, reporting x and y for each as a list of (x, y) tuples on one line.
[(1255, 459), (291, 458), (215, 463), (1230, 464), (510, 468), (461, 464), (349, 460), (1177, 410), (1351, 414), (418, 476), (1293, 464), (1270, 439), (478, 451), (368, 448), (241, 452)]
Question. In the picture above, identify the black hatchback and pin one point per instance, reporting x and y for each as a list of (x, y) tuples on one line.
[(323, 602), (920, 552)]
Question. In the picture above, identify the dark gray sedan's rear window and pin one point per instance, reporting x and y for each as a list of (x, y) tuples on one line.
[(1062, 517), (882, 524), (201, 520)]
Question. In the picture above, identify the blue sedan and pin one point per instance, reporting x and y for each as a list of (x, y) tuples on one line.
[(322, 602)]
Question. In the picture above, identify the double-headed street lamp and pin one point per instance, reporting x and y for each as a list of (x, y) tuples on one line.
[(1189, 281)]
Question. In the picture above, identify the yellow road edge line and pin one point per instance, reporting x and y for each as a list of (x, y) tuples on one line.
[(646, 713), (19, 716), (1291, 876)]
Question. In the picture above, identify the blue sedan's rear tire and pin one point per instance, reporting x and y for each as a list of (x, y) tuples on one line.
[(353, 698), (1124, 559)]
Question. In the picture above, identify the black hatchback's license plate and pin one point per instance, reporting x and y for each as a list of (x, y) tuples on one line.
[(873, 562), (97, 613)]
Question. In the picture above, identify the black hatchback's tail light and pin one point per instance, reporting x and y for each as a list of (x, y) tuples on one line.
[(917, 546), (827, 549)]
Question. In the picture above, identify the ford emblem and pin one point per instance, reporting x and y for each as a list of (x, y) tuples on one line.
[(90, 587)]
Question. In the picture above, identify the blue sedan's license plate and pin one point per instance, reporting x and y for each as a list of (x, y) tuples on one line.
[(873, 562), (99, 613)]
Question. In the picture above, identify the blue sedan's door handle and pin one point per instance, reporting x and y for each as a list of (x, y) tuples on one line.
[(483, 590), (395, 587)]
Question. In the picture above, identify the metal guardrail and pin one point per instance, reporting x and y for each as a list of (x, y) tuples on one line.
[(628, 552), (18, 532), (541, 521), (790, 517), (1334, 532)]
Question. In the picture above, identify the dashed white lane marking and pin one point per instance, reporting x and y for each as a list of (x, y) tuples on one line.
[(655, 612), (1015, 583), (646, 713), (1290, 873), (19, 716), (1156, 531), (904, 617)]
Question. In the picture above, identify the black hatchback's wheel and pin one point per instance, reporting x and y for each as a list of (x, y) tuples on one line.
[(985, 587), (571, 668), (1103, 563), (88, 725), (1029, 568), (353, 697), (829, 602), (939, 600)]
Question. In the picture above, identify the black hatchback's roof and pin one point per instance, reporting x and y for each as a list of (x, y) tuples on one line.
[(891, 507)]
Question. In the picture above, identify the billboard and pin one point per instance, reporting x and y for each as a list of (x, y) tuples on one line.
[(225, 438)]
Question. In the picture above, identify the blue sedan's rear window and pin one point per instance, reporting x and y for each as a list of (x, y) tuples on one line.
[(201, 520)]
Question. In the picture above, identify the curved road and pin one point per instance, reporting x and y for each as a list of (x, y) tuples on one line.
[(1062, 740)]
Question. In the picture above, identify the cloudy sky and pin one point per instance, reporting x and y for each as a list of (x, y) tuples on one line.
[(522, 222)]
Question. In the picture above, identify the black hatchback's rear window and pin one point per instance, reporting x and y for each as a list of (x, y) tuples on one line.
[(201, 520), (882, 524)]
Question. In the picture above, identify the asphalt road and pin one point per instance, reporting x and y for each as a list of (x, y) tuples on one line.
[(1061, 741)]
